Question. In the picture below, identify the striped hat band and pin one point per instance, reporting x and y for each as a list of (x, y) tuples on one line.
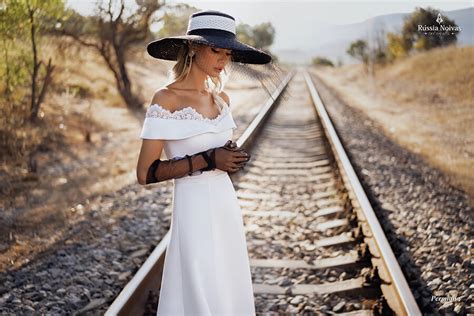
[(210, 20)]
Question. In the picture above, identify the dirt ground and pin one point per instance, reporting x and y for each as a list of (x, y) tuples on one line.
[(424, 103)]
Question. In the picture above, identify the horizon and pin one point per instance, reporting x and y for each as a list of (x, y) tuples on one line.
[(290, 19)]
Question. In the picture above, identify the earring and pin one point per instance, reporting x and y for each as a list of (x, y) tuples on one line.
[(191, 54)]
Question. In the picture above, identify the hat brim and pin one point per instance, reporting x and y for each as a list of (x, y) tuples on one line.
[(167, 48)]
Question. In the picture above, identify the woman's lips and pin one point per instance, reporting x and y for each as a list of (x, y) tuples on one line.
[(218, 69)]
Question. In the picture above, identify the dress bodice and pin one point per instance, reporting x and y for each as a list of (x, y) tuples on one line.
[(186, 131)]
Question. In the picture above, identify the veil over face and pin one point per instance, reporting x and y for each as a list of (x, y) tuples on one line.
[(219, 53), (220, 62)]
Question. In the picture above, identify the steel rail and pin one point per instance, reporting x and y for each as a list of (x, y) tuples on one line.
[(403, 303), (132, 299)]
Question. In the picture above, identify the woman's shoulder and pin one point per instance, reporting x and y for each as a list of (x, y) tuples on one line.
[(224, 97), (165, 98)]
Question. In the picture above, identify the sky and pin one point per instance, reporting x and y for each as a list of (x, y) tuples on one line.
[(293, 19)]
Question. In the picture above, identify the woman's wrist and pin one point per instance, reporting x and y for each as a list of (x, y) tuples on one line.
[(199, 162)]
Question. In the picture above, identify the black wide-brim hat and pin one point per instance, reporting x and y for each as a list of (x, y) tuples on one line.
[(211, 28)]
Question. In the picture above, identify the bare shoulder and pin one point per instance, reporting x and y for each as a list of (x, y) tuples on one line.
[(225, 97), (165, 98)]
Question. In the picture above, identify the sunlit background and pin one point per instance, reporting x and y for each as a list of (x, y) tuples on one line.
[(76, 83), (308, 28)]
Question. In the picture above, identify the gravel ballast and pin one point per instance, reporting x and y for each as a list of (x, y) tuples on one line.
[(428, 221)]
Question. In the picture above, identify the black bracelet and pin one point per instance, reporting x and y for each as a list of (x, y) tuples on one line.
[(213, 158), (190, 165), (210, 164)]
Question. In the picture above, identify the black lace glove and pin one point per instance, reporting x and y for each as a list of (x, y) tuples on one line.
[(162, 170), (228, 158)]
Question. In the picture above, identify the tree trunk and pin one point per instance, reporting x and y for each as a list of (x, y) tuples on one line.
[(125, 86), (46, 81), (119, 70), (34, 75), (8, 88)]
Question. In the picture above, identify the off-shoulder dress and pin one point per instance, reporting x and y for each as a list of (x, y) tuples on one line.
[(206, 268)]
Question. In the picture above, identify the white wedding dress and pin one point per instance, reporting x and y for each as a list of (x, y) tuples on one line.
[(206, 268)]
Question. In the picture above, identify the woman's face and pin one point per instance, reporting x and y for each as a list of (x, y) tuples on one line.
[(212, 60)]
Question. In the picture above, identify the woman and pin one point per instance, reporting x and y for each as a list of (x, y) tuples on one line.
[(206, 268)]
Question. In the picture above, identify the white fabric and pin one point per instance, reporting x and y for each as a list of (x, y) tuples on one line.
[(217, 22), (206, 268), (187, 131)]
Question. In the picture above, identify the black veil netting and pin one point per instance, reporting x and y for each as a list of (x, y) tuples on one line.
[(270, 75)]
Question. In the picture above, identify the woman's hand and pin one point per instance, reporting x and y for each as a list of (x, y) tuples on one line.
[(230, 157), (231, 145)]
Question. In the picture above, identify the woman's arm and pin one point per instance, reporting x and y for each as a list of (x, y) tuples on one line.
[(151, 169), (152, 148), (150, 151)]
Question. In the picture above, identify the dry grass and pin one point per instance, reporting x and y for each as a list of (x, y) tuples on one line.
[(82, 86), (424, 102), (83, 100)]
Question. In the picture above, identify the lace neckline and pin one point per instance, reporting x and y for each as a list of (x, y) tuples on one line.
[(186, 113)]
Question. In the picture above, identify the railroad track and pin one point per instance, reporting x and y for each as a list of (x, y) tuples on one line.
[(314, 242)]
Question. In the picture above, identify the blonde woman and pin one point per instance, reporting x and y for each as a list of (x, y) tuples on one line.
[(206, 268)]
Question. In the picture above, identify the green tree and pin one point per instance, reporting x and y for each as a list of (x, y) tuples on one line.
[(395, 48), (378, 53), (244, 34), (10, 67), (39, 14), (113, 35), (260, 36), (175, 20), (358, 49), (27, 21), (173, 24), (322, 61), (263, 35), (420, 39)]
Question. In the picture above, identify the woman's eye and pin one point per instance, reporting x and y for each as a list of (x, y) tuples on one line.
[(216, 51)]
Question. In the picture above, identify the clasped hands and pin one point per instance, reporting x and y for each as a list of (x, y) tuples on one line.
[(230, 157)]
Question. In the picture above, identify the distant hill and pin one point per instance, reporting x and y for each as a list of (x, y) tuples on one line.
[(332, 42)]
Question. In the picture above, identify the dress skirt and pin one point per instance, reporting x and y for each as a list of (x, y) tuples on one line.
[(206, 268)]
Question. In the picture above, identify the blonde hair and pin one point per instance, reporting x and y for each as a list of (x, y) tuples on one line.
[(181, 70)]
